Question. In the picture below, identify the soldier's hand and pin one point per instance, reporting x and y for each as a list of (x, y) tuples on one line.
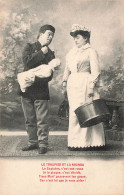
[(44, 49)]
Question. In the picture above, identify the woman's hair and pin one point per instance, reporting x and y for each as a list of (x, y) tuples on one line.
[(85, 34)]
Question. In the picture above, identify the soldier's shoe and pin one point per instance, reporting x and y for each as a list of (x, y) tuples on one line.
[(31, 147), (42, 150)]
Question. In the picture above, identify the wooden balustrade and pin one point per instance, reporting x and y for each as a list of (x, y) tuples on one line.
[(114, 122)]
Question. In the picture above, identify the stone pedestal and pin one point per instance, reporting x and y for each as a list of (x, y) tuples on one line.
[(114, 125)]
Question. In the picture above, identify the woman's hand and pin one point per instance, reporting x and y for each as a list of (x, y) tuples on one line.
[(64, 88), (64, 91), (90, 92)]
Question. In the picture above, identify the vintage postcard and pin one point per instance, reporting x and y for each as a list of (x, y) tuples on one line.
[(61, 97)]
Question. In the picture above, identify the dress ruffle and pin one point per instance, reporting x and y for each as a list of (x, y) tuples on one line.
[(90, 148), (74, 146)]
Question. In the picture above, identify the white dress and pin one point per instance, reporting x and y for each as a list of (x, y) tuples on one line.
[(81, 73)]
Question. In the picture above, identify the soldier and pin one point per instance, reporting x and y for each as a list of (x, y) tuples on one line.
[(35, 98)]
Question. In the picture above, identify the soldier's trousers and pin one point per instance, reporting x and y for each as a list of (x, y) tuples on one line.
[(36, 115)]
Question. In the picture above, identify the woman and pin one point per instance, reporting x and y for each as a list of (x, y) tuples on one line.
[(81, 78)]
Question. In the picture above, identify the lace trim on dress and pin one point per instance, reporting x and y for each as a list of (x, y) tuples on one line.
[(90, 148), (86, 146)]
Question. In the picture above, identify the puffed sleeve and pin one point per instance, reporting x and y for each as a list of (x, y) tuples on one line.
[(94, 67), (66, 71)]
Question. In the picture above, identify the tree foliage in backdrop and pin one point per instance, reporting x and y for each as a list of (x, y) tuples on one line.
[(113, 74), (18, 31)]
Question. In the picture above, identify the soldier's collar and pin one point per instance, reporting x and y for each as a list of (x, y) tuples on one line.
[(38, 45)]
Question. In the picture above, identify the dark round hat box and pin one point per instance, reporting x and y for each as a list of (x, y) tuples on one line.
[(92, 113)]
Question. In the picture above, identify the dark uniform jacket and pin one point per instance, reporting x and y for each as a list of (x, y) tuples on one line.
[(33, 57)]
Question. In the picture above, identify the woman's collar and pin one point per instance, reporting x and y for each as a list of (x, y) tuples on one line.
[(86, 46), (75, 49)]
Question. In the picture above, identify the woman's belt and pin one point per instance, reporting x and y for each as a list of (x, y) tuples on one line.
[(85, 71)]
